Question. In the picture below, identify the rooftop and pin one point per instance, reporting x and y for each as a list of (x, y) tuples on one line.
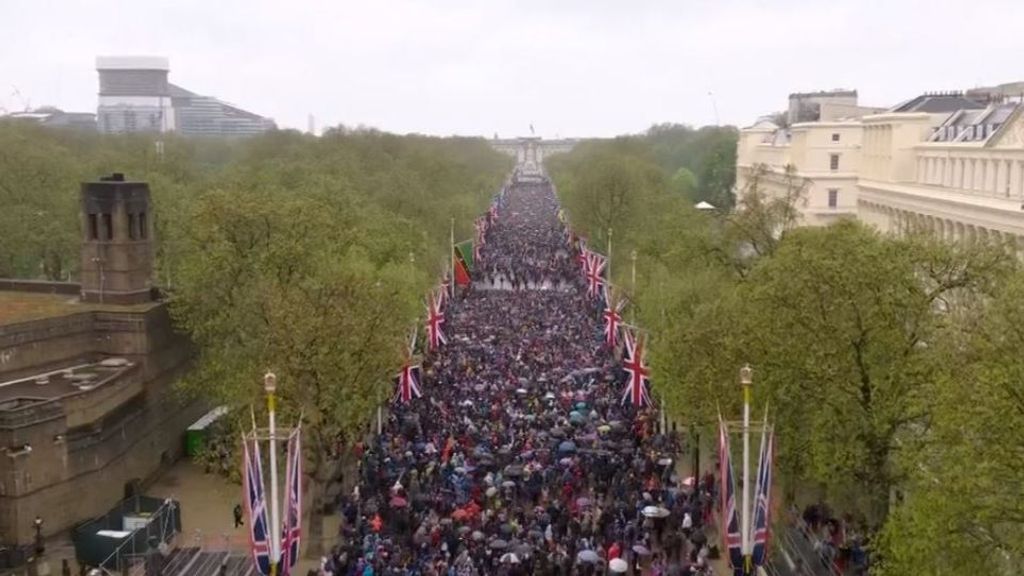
[(939, 103), (17, 307), (81, 377), (839, 92)]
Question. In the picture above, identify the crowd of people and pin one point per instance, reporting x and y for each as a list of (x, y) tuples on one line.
[(529, 249), (520, 458)]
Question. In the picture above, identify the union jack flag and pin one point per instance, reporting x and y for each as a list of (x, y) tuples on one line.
[(435, 320), (731, 535), (637, 373), (292, 529), (595, 267), (409, 383), (445, 287), (581, 257), (256, 505), (612, 320), (762, 497)]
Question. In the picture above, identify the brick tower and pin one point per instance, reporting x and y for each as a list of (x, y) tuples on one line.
[(117, 241)]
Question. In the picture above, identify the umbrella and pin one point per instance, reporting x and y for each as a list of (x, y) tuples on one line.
[(641, 550), (463, 530), (604, 428), (498, 544), (510, 557), (567, 447), (689, 481), (521, 391), (466, 403), (665, 462), (513, 471), (618, 566), (399, 502), (477, 535), (460, 514), (588, 556), (508, 484), (583, 501), (581, 405), (558, 433), (506, 529), (576, 418), (491, 492), (654, 512)]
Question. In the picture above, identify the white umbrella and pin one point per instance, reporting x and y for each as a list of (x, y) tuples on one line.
[(618, 566), (510, 557), (654, 512)]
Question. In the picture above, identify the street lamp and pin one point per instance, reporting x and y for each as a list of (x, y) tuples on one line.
[(747, 381), (38, 525), (270, 386)]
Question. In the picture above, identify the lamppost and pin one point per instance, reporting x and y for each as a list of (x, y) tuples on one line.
[(270, 386), (747, 382), (38, 525)]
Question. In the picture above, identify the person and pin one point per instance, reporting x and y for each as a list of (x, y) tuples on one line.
[(238, 515)]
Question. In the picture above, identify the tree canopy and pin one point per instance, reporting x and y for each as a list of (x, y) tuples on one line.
[(889, 364)]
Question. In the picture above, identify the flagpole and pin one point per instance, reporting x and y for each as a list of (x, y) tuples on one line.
[(746, 380), (270, 385), (632, 288), (608, 265), (451, 258)]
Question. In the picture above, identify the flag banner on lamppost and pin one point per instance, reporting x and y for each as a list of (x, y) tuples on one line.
[(292, 529), (762, 497), (256, 505), (731, 533)]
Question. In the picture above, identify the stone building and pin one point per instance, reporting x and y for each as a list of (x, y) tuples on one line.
[(87, 405), (949, 163)]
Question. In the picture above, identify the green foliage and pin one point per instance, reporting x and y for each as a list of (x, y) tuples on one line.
[(309, 257), (685, 183), (891, 364)]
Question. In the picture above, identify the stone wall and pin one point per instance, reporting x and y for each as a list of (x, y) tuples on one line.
[(87, 446)]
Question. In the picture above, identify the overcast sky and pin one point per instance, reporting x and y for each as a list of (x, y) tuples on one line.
[(571, 68)]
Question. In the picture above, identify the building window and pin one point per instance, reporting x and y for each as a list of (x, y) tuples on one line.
[(835, 136), (143, 227), (108, 227), (833, 197), (833, 162), (94, 227), (131, 227)]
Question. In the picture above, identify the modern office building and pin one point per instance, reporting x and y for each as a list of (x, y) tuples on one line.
[(951, 163), (136, 96)]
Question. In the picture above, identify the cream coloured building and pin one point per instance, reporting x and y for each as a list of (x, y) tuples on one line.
[(948, 163)]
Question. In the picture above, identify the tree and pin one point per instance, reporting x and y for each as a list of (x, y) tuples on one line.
[(685, 183), (303, 300), (717, 174), (962, 510), (845, 320)]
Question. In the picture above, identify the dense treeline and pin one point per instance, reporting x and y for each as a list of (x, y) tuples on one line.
[(307, 256), (891, 365)]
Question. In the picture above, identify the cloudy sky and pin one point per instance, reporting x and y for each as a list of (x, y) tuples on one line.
[(480, 67)]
